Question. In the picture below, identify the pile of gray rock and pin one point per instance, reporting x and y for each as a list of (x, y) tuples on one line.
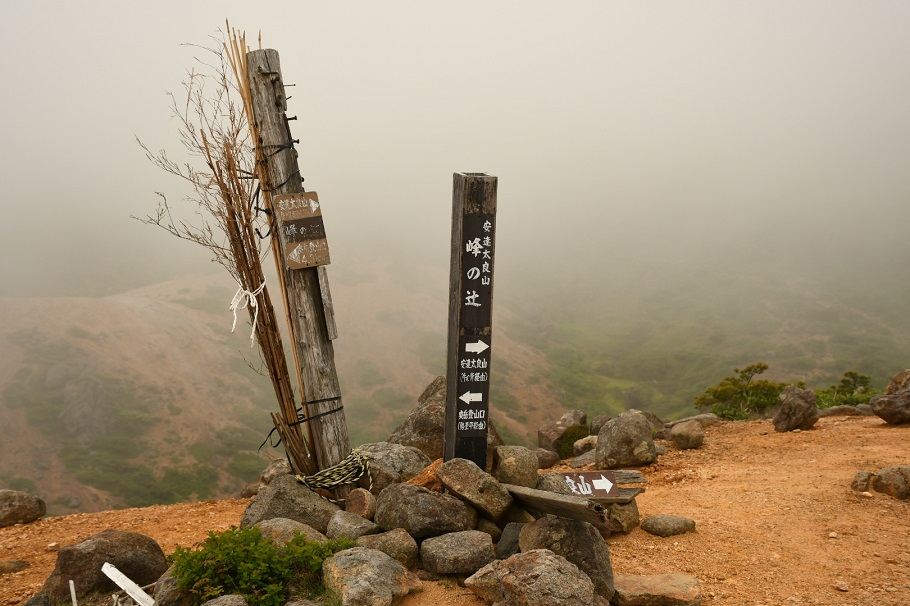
[(416, 517)]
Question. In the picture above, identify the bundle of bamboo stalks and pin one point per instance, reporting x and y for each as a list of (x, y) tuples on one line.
[(216, 129), (287, 423)]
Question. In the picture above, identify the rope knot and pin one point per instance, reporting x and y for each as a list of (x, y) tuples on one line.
[(242, 299)]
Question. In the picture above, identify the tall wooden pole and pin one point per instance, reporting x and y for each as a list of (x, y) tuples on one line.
[(308, 299), (470, 317)]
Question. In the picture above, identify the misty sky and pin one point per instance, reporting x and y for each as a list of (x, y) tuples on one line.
[(659, 129)]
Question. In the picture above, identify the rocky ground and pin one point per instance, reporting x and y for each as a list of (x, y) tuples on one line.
[(777, 522)]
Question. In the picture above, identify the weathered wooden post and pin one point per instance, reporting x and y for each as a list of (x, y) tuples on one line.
[(303, 254), (470, 317)]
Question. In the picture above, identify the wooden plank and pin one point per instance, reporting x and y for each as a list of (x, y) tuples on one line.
[(629, 476), (623, 495), (123, 582), (562, 505), (312, 322), (622, 476), (327, 302), (618, 494)]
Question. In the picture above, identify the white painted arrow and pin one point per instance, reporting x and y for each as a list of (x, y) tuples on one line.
[(470, 396), (476, 348), (602, 484)]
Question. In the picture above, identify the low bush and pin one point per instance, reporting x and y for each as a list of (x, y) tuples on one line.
[(571, 435), (852, 389), (243, 562), (741, 396)]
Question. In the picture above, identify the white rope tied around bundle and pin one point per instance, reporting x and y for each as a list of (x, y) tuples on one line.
[(243, 298)]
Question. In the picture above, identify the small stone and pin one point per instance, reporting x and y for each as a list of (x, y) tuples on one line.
[(841, 586), (52, 547), (832, 535), (868, 495), (10, 566)]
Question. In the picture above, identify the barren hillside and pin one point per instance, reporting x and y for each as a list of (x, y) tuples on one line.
[(777, 522)]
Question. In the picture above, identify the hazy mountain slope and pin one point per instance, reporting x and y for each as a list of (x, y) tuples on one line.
[(654, 333), (146, 396)]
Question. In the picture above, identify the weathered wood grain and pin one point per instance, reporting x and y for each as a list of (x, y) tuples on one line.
[(566, 506), (308, 298)]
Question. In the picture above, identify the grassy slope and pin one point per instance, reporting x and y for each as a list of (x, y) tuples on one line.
[(176, 413)]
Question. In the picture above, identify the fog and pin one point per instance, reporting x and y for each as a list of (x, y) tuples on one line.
[(641, 135)]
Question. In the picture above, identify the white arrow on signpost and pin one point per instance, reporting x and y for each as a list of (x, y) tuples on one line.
[(602, 484), (469, 397), (476, 348)]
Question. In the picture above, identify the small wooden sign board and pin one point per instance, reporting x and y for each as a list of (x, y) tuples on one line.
[(301, 229), (592, 484)]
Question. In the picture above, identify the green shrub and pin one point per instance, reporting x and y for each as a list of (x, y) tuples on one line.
[(852, 389), (572, 434), (246, 563), (741, 396)]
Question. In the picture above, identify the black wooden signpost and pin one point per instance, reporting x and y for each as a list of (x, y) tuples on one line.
[(470, 317)]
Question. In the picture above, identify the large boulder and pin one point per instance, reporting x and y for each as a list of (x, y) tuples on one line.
[(362, 502), (706, 419), (546, 458), (664, 525), (899, 382), (396, 543), (422, 512), (424, 428), (552, 435), (586, 444), (282, 531), (894, 408), (622, 517), (470, 483), (657, 590), (363, 576), (137, 556), (231, 599), (457, 552), (287, 498), (798, 410), (18, 507), (893, 481), (576, 541), (350, 525), (391, 464), (535, 578), (598, 423), (507, 545), (688, 435), (167, 593), (626, 441), (515, 465)]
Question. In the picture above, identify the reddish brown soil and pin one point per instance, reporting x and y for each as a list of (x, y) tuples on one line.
[(777, 522)]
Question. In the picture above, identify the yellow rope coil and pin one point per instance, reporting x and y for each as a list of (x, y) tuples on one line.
[(347, 471)]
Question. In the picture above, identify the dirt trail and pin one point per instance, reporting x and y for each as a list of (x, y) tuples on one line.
[(777, 522)]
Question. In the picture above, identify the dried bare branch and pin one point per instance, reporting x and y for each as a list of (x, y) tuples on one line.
[(213, 130)]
